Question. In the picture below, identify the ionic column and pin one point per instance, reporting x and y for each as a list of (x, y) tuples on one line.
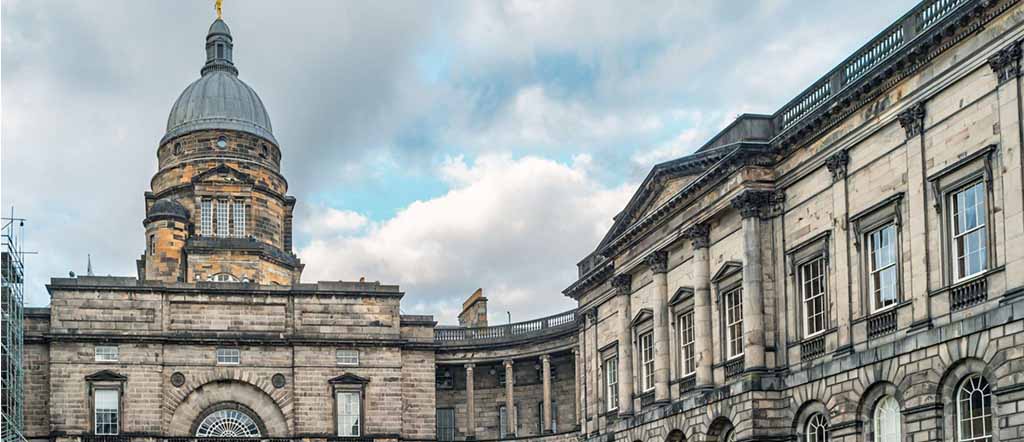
[(622, 284), (750, 204), (545, 362), (699, 238), (578, 407), (510, 403), (1006, 65), (470, 404), (658, 262)]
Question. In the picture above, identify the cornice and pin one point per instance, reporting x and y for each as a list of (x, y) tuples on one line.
[(591, 279)]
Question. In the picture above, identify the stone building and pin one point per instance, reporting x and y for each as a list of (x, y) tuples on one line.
[(844, 269)]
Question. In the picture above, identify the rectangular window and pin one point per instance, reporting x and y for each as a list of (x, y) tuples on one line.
[(611, 382), (349, 413), (222, 218), (347, 357), (445, 424), (540, 417), (734, 323), (689, 359), (647, 360), (107, 409), (106, 353), (228, 356), (152, 245), (503, 420), (238, 211), (812, 290), (206, 218), (882, 267), (969, 233)]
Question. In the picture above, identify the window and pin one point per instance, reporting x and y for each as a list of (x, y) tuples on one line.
[(206, 218), (228, 356), (688, 364), (816, 429), (106, 353), (887, 420), (647, 360), (346, 357), (503, 420), (152, 245), (611, 382), (238, 210), (445, 424), (222, 218), (223, 277), (882, 267), (733, 323), (106, 407), (974, 410), (540, 417), (969, 240), (220, 50), (812, 290), (349, 413), (228, 423), (177, 148)]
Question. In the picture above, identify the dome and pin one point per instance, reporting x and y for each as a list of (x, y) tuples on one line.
[(167, 208), (218, 99)]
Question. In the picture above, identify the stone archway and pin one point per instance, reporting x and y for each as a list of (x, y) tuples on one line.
[(224, 394)]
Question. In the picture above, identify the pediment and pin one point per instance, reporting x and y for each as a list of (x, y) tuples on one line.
[(222, 174), (106, 375), (643, 315), (727, 269), (682, 294), (350, 379)]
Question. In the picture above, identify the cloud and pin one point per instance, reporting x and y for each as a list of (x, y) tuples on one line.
[(328, 221), (514, 226)]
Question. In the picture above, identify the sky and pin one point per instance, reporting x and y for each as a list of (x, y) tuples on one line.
[(442, 146)]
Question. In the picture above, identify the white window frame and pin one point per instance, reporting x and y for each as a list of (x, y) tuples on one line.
[(446, 433), (346, 357), (611, 383), (106, 412), (106, 353), (974, 384), (687, 344), (206, 217), (503, 420), (816, 429), (344, 412), (887, 420), (808, 297), (981, 229), (229, 356), (238, 218), (732, 301), (646, 341), (877, 237), (222, 218)]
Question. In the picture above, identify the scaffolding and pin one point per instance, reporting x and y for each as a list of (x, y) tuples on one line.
[(12, 269)]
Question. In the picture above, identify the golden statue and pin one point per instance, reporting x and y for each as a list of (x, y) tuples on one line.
[(217, 5)]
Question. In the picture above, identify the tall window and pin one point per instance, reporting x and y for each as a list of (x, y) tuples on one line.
[(349, 413), (152, 245), (106, 353), (969, 240), (812, 290), (647, 360), (816, 429), (882, 267), (611, 382), (445, 424), (974, 410), (238, 212), (222, 218), (228, 356), (206, 218), (106, 407), (734, 323), (503, 420), (688, 363), (887, 420)]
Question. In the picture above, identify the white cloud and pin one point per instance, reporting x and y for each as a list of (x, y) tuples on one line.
[(514, 226), (327, 221)]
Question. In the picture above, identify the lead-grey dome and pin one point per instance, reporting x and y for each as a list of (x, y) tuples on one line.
[(218, 99), (166, 208)]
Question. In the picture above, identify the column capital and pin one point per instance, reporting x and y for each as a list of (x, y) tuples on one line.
[(622, 283), (545, 358), (836, 165), (912, 119), (657, 261), (507, 363), (753, 202), (470, 366), (699, 235), (1006, 62)]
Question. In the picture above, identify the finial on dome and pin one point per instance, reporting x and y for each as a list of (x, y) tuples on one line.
[(219, 47), (217, 5)]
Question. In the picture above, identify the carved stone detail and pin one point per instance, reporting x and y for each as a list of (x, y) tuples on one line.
[(1006, 62), (277, 380), (177, 379), (657, 261), (912, 120), (836, 165), (622, 283), (699, 235), (753, 203)]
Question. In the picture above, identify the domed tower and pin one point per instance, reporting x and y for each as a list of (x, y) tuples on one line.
[(218, 209)]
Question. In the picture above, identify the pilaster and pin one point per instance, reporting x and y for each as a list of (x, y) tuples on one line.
[(658, 262)]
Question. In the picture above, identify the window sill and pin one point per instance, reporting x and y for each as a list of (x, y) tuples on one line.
[(967, 281)]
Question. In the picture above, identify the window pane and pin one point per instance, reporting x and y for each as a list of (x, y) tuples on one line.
[(347, 357), (222, 218), (105, 403), (206, 218), (887, 420), (238, 210), (106, 353), (349, 413), (228, 356)]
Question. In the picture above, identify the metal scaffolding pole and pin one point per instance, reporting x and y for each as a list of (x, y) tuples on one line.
[(12, 269)]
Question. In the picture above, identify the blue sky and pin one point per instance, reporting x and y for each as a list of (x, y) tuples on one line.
[(442, 146)]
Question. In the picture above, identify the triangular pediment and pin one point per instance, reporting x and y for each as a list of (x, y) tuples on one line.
[(222, 174), (682, 294), (727, 269), (106, 375), (349, 378), (643, 315)]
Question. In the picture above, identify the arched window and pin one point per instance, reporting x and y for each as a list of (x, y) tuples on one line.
[(223, 277), (730, 436), (816, 429), (974, 410), (228, 423), (887, 420)]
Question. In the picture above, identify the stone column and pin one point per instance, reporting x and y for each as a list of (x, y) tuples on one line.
[(702, 340), (751, 204), (658, 262), (545, 361), (842, 292), (622, 284), (912, 121), (1006, 64), (595, 361), (510, 403), (470, 404), (576, 362)]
